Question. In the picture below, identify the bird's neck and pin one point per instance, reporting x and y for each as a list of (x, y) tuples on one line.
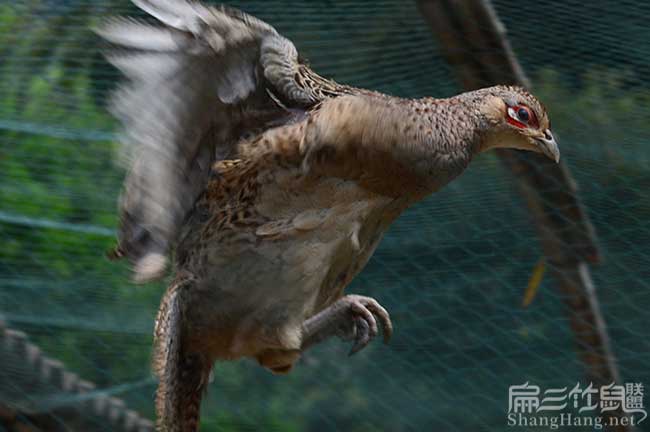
[(450, 132)]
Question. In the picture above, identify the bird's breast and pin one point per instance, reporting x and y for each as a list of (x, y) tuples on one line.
[(277, 251)]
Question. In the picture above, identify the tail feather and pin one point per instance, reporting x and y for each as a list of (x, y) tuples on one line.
[(183, 377)]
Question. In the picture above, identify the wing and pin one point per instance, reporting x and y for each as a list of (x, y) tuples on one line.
[(196, 82)]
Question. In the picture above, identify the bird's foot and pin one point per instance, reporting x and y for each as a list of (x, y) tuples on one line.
[(353, 317)]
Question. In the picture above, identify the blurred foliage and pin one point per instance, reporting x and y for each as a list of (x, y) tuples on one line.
[(453, 288)]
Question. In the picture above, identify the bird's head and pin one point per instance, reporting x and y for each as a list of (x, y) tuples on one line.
[(516, 119)]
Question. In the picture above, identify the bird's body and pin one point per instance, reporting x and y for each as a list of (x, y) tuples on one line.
[(272, 186), (275, 238), (267, 267)]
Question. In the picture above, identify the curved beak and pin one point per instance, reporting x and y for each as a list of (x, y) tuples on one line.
[(548, 146)]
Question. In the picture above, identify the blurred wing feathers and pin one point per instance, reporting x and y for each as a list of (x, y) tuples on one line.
[(181, 15), (189, 79), (135, 34)]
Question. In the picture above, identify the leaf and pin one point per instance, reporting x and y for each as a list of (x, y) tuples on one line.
[(534, 282)]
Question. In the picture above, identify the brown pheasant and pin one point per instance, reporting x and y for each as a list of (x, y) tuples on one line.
[(273, 186)]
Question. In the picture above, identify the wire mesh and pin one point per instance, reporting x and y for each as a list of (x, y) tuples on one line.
[(451, 271)]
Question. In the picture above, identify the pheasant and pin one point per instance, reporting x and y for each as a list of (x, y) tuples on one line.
[(272, 187)]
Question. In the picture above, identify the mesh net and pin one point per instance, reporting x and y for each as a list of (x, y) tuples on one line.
[(452, 270)]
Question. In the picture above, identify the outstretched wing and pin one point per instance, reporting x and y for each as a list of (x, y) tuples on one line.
[(195, 82)]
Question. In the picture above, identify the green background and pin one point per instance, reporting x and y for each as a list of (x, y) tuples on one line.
[(452, 270)]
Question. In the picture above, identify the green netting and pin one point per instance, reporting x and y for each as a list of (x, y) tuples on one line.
[(452, 271)]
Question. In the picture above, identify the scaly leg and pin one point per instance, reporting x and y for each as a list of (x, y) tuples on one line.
[(352, 317)]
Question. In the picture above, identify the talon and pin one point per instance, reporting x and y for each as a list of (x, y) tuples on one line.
[(363, 335), (366, 315), (384, 317), (352, 317)]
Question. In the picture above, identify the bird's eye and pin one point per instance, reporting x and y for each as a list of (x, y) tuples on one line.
[(523, 115)]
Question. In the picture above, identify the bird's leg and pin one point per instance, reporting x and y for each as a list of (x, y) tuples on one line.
[(352, 317)]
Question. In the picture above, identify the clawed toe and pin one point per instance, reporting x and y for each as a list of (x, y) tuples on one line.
[(353, 317), (366, 312), (363, 335)]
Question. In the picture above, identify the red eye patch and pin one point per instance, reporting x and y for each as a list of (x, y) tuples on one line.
[(521, 116)]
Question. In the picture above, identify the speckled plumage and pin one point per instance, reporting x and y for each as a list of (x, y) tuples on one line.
[(272, 185)]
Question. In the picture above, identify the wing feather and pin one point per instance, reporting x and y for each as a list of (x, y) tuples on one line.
[(192, 80), (135, 34)]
